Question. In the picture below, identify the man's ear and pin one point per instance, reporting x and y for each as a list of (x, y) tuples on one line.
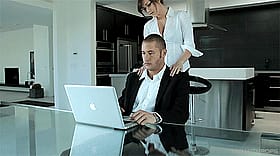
[(164, 51)]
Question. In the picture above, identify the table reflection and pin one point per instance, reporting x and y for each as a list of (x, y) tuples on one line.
[(141, 140)]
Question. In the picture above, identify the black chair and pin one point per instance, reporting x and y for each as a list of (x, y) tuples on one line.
[(198, 85)]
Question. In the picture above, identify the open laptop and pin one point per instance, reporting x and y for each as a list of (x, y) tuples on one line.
[(97, 105)]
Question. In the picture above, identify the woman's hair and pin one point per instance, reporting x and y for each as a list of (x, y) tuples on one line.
[(140, 5)]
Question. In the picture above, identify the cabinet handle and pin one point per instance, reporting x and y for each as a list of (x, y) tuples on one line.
[(277, 77), (103, 34), (126, 29), (274, 100), (274, 87), (106, 35)]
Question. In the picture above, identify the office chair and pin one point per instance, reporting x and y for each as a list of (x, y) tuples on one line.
[(198, 85)]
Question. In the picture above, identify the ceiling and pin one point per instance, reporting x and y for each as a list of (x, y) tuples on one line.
[(15, 15)]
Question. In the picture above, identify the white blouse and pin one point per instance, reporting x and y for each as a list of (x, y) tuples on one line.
[(178, 35)]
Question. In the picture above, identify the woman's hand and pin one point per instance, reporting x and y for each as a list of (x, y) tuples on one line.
[(139, 70), (176, 68)]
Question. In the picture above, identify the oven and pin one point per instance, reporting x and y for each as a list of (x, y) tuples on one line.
[(105, 62)]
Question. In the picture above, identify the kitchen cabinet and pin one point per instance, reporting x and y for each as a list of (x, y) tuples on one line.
[(112, 24), (129, 26), (267, 89), (105, 21), (123, 25)]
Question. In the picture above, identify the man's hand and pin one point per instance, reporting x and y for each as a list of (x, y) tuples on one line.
[(143, 117), (122, 110), (142, 133)]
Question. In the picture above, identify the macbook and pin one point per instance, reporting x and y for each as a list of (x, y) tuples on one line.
[(96, 105)]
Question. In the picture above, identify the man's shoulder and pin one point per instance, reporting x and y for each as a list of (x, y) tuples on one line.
[(180, 75), (133, 75)]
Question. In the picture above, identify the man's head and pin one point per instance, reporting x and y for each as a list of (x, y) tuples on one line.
[(153, 53)]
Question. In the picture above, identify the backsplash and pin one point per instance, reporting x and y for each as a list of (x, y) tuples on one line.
[(251, 39)]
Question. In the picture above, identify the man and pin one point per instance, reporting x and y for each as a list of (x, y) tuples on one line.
[(155, 96)]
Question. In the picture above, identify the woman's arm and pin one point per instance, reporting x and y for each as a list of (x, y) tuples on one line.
[(187, 33)]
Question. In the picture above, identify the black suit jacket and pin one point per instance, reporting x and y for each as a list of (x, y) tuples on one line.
[(172, 101)]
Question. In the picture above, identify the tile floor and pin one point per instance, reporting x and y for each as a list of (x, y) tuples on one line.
[(267, 122)]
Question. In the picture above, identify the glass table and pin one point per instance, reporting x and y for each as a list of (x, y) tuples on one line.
[(42, 131)]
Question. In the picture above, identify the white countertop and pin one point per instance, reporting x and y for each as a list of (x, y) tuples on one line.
[(223, 73), (216, 73), (18, 89)]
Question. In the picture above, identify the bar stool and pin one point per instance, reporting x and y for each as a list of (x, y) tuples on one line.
[(198, 85)]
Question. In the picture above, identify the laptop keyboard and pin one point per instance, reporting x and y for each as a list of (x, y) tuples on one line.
[(128, 122)]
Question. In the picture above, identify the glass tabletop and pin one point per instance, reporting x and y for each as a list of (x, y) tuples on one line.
[(40, 131)]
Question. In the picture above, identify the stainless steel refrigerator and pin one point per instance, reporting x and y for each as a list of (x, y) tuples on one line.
[(126, 55)]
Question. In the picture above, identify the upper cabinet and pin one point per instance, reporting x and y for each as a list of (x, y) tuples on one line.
[(105, 22), (129, 26), (112, 24)]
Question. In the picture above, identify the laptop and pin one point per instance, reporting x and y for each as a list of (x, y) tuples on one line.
[(97, 105)]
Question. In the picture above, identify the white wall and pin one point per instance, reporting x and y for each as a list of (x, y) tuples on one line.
[(42, 57), (14, 51), (73, 46)]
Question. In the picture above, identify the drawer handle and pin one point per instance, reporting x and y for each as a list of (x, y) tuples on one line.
[(274, 77), (274, 87), (274, 100)]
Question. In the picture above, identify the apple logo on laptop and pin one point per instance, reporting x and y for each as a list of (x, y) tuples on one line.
[(92, 106)]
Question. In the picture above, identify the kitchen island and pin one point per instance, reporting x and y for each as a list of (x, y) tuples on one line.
[(228, 104)]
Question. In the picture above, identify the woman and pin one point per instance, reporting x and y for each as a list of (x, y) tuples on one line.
[(176, 29)]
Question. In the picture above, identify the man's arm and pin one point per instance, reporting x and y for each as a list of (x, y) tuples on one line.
[(173, 106)]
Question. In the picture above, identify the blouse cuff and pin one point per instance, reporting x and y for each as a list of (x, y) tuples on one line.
[(193, 51)]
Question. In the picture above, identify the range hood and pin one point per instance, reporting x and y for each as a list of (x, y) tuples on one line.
[(199, 12)]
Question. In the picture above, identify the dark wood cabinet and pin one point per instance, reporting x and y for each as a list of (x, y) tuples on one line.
[(105, 22), (267, 90), (129, 26), (122, 25), (112, 24)]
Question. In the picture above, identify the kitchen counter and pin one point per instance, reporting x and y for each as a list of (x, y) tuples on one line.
[(223, 73), (228, 104), (215, 73), (118, 80)]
